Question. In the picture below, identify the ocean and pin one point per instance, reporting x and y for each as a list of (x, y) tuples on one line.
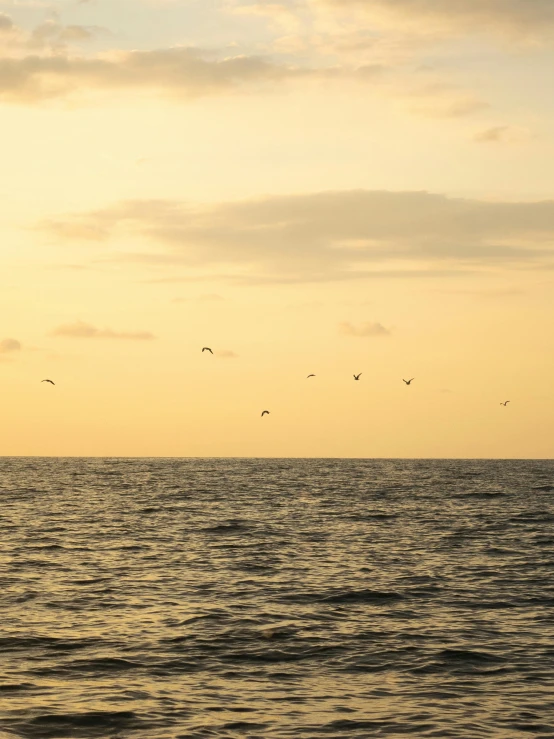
[(310, 598)]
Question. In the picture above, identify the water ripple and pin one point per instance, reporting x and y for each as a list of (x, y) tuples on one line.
[(158, 599)]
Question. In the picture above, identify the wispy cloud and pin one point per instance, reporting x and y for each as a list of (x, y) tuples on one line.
[(511, 18), (48, 63), (49, 36), (6, 23), (364, 330), (502, 134), (178, 72), (225, 354), (81, 330), (7, 346), (340, 235)]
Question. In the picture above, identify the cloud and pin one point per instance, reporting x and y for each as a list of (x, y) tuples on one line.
[(6, 23), (501, 134), (515, 18), (364, 330), (55, 36), (9, 345), (340, 235), (225, 354), (46, 63), (81, 330), (48, 36), (182, 72)]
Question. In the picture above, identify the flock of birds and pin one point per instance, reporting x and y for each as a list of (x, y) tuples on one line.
[(356, 377), (266, 413)]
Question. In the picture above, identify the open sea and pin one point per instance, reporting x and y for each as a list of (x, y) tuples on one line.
[(306, 598)]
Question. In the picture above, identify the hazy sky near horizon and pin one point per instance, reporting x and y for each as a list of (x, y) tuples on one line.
[(306, 186)]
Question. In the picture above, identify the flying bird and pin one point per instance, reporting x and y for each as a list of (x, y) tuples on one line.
[(264, 412), (357, 377), (310, 376), (207, 349), (505, 404), (408, 382), (50, 381)]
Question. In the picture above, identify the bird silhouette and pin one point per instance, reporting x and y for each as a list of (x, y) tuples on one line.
[(207, 349), (408, 382), (264, 412), (357, 377), (505, 404), (50, 381), (310, 376)]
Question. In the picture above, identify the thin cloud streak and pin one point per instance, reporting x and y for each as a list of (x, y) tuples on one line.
[(42, 65), (82, 330), (511, 19), (364, 330), (7, 346), (177, 72), (502, 135), (325, 236)]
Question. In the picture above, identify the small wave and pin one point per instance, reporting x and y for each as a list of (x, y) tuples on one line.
[(278, 631), (38, 563), (468, 655), (174, 666), (16, 687), (92, 581), (463, 661), (17, 643), (353, 725), (487, 605), (244, 726), (483, 494), (96, 666), (274, 656), (364, 596), (433, 591), (226, 528), (94, 723)]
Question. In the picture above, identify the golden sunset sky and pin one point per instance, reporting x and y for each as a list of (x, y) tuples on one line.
[(306, 186)]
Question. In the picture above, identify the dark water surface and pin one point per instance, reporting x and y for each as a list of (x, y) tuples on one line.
[(276, 598)]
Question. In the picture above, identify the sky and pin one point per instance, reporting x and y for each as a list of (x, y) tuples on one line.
[(306, 186)]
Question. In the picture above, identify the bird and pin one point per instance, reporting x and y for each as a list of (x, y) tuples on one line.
[(357, 377), (505, 404), (264, 412), (50, 381), (207, 349), (310, 376), (408, 382)]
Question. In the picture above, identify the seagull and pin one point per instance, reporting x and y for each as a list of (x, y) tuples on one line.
[(207, 349), (505, 404), (357, 377), (408, 382), (264, 412), (310, 376), (50, 381)]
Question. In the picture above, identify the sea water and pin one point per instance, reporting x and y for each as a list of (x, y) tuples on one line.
[(164, 598)]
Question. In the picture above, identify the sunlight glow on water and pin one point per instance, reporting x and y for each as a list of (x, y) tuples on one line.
[(276, 598)]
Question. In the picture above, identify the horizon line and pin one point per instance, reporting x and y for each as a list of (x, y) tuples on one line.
[(368, 459)]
